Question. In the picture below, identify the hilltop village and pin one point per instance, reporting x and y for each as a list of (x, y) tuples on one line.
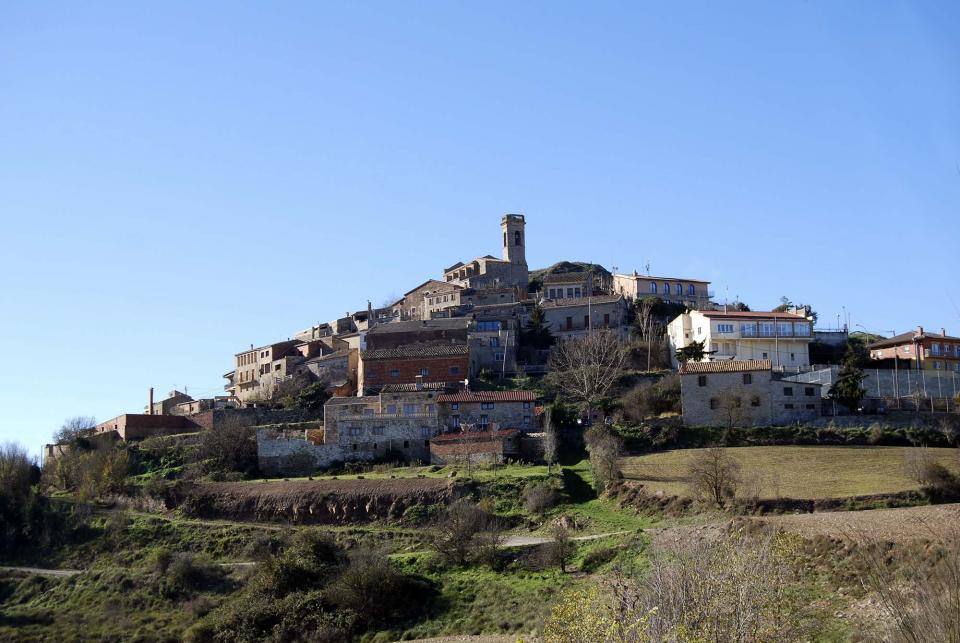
[(447, 371)]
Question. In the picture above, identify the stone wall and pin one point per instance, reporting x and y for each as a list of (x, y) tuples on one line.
[(701, 390)]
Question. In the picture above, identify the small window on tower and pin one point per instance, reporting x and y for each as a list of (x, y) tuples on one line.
[(517, 239)]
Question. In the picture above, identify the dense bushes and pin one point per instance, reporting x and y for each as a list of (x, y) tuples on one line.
[(313, 591)]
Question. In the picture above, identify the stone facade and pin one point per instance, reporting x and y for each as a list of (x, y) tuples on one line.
[(744, 393), (693, 293), (403, 333), (488, 271), (569, 318), (488, 410)]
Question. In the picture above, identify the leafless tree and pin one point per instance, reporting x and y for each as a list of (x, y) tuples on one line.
[(585, 368), (732, 407), (73, 428), (561, 548), (465, 532), (646, 325), (713, 474), (922, 603)]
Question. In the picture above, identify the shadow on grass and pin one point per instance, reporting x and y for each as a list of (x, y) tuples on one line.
[(577, 489)]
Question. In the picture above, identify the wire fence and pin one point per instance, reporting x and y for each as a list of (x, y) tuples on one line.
[(902, 383)]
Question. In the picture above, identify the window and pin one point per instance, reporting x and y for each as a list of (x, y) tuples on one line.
[(409, 409), (678, 289), (425, 431), (702, 380), (454, 370), (768, 329), (665, 289), (504, 239), (788, 406), (714, 403), (576, 292), (569, 323), (517, 239), (788, 390), (406, 444), (486, 406), (391, 409), (455, 421), (793, 356), (484, 420), (653, 287), (808, 391), (394, 372), (526, 419), (755, 400), (938, 365), (526, 405), (354, 430), (748, 378), (455, 407), (424, 371), (785, 329), (691, 290), (748, 330), (498, 357), (494, 342), (811, 407), (764, 356), (586, 321), (569, 292), (724, 329), (935, 349), (377, 430), (801, 329), (606, 319)]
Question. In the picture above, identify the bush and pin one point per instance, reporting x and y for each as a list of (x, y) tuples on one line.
[(605, 448), (465, 533), (538, 497), (374, 589), (188, 573), (159, 559)]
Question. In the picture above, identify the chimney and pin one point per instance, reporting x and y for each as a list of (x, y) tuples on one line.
[(943, 332), (919, 330), (151, 401), (419, 382)]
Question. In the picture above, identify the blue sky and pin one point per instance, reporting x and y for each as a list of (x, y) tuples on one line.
[(182, 180)]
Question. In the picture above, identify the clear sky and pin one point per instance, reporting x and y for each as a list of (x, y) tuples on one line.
[(182, 180)]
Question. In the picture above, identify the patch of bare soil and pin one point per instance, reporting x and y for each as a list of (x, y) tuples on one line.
[(902, 525), (336, 502)]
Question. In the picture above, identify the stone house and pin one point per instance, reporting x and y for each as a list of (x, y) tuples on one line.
[(783, 338), (436, 363), (165, 407), (488, 410), (744, 393), (569, 318), (692, 293), (493, 346)]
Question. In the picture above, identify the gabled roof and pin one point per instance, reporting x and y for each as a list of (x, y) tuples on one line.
[(651, 278), (727, 366), (412, 326), (417, 350), (445, 284), (908, 338), (425, 386), (488, 396)]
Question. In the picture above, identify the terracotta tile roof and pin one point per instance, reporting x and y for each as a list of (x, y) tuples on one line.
[(568, 277), (415, 325), (417, 350), (489, 396), (737, 314), (909, 337), (728, 366)]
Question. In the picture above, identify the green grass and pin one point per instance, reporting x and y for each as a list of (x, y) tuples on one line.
[(384, 472), (803, 472)]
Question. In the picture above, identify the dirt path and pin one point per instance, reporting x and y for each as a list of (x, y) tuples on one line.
[(39, 571), (529, 541)]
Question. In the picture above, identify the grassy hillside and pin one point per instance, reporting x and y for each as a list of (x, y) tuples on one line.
[(796, 471)]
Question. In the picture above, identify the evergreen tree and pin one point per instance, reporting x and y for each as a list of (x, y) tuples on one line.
[(692, 352), (848, 389), (537, 333)]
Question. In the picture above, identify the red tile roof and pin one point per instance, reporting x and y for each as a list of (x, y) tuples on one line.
[(728, 366), (417, 350), (488, 396)]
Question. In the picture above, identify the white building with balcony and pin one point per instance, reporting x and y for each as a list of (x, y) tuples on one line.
[(782, 338)]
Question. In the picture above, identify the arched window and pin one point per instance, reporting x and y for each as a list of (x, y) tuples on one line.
[(517, 240), (504, 239), (666, 289), (653, 287), (679, 289), (691, 290)]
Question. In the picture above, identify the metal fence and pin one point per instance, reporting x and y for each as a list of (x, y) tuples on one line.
[(888, 383)]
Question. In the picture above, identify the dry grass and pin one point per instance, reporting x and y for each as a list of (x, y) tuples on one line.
[(794, 471)]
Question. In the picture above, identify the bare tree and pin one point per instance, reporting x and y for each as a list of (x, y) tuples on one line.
[(465, 532), (732, 407), (561, 548), (585, 368), (713, 474), (645, 324), (922, 604), (73, 427)]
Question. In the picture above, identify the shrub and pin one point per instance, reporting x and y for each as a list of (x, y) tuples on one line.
[(538, 497), (188, 573), (714, 475), (465, 533), (159, 559), (374, 589), (605, 448)]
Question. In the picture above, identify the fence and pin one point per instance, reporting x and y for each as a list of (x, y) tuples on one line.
[(908, 389)]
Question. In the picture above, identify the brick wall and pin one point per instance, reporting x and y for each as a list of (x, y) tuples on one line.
[(376, 372)]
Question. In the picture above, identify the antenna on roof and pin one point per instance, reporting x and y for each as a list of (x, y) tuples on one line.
[(646, 267)]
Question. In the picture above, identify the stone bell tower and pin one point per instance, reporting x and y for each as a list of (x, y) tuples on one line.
[(514, 239)]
